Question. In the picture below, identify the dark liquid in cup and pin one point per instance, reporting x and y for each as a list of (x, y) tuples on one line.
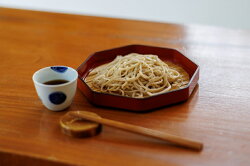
[(56, 82)]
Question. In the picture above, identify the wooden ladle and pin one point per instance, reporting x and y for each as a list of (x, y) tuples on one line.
[(97, 120)]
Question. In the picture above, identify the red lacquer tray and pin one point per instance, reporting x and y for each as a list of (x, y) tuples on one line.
[(137, 104)]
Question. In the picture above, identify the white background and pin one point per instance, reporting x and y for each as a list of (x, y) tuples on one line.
[(226, 13)]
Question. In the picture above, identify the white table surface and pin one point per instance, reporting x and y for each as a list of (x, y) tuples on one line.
[(225, 13)]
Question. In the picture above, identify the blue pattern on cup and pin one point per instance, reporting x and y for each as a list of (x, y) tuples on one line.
[(59, 69), (57, 98)]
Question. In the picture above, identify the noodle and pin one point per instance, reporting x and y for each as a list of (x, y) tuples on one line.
[(136, 75)]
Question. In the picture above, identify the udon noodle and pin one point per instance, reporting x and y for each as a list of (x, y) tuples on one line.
[(136, 75)]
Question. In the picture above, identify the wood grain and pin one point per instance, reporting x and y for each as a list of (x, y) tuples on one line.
[(217, 112)]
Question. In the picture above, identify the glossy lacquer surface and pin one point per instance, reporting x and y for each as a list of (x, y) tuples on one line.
[(217, 113), (135, 104)]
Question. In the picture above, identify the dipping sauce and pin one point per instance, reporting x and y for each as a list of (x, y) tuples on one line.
[(55, 82)]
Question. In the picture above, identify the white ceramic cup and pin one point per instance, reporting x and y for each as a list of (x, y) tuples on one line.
[(56, 97)]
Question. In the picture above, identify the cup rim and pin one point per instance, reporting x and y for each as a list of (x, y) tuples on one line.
[(59, 85)]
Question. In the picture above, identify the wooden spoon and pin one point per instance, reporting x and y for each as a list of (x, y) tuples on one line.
[(176, 140)]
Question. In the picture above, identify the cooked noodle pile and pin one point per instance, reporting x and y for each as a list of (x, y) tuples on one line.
[(138, 76)]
